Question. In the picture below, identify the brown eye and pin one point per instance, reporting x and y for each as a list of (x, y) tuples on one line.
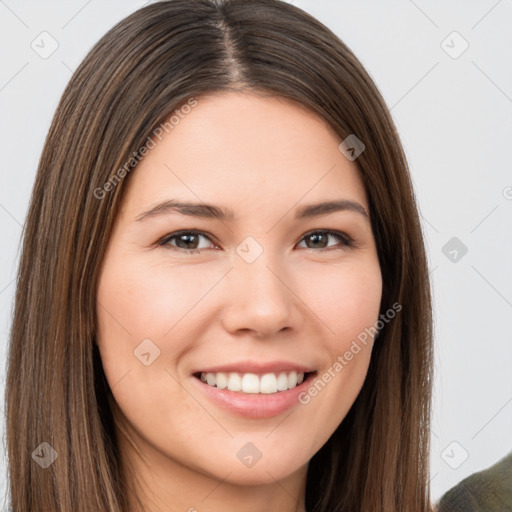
[(185, 240), (189, 241), (320, 239)]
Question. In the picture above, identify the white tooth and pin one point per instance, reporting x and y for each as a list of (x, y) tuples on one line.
[(222, 380), (234, 382), (282, 382), (250, 383), (268, 383), (292, 379)]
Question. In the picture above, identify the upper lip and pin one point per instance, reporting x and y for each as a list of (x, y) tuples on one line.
[(257, 367)]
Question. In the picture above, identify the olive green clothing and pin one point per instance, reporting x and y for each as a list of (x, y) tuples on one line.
[(489, 490)]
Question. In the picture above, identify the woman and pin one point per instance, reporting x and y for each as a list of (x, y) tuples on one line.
[(255, 370)]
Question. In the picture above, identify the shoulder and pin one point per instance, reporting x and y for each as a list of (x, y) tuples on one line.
[(489, 490)]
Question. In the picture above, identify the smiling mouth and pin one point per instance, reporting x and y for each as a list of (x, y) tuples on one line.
[(253, 383)]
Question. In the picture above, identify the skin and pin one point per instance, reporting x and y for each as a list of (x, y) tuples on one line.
[(301, 300)]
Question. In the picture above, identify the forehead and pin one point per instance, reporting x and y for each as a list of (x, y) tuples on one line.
[(241, 149)]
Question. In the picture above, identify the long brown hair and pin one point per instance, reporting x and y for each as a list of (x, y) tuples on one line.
[(143, 69)]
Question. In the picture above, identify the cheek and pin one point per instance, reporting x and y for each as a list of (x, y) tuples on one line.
[(347, 300), (129, 312), (140, 301), (145, 300), (348, 303), (136, 308)]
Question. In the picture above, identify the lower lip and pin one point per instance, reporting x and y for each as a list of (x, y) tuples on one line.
[(254, 405)]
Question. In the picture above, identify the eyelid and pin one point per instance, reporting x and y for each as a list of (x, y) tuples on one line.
[(345, 238), (347, 241), (163, 241)]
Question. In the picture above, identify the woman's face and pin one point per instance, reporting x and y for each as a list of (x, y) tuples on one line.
[(256, 296)]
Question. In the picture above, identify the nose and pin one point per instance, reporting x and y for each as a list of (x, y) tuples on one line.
[(260, 299)]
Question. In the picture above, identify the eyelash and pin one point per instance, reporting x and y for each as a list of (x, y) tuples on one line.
[(347, 242)]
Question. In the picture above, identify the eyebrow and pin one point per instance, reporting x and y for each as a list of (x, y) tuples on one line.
[(210, 211)]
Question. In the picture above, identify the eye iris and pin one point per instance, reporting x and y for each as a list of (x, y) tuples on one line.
[(187, 238), (316, 237)]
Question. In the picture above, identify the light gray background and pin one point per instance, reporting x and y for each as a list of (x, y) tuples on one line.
[(454, 115)]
